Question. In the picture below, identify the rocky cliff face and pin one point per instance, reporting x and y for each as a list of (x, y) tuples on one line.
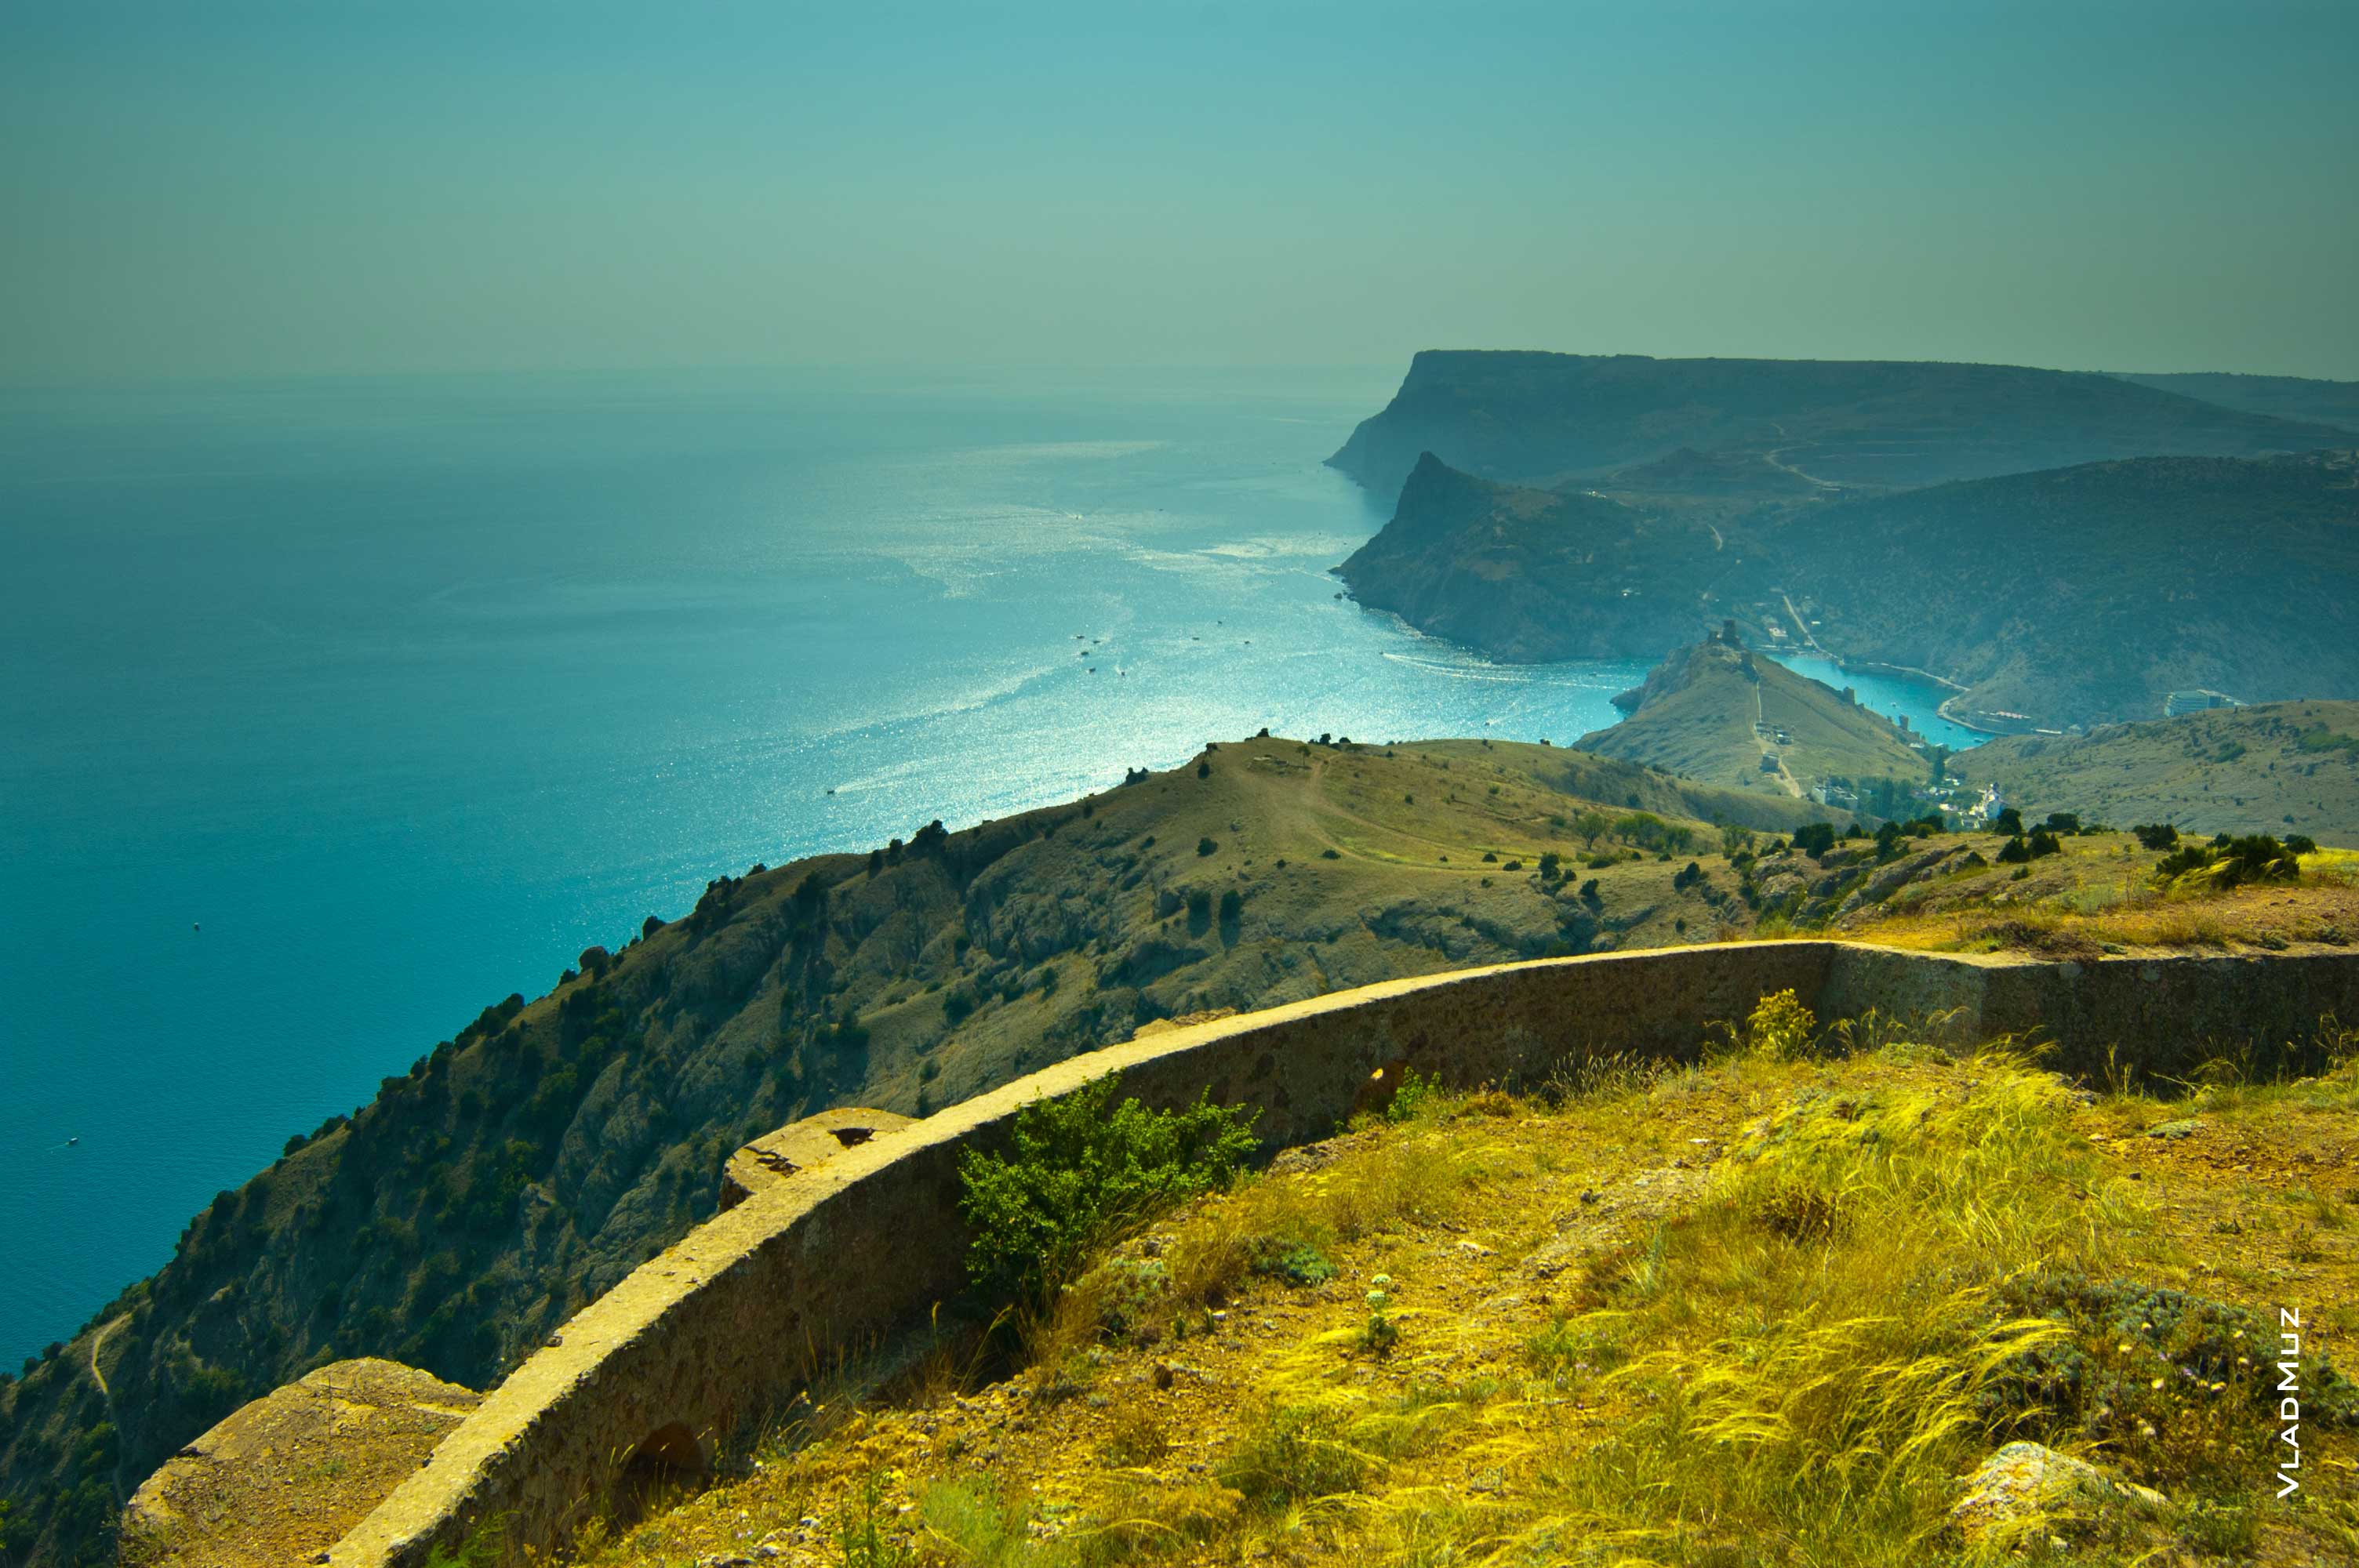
[(1529, 575)]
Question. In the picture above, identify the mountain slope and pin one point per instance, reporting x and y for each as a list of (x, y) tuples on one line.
[(2080, 595), (1712, 712), (1542, 417), (2086, 594), (1533, 574), (2280, 397), (2285, 767), (520, 1169)]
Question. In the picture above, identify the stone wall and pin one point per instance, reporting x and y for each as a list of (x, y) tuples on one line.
[(806, 1271)]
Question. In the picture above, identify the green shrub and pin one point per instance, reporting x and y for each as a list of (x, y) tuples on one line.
[(1300, 1265), (1780, 1026), (2231, 862), (2319, 738), (483, 1548), (1297, 1453), (1207, 846), (1082, 1169), (1130, 1294), (860, 1537), (2163, 1380), (1416, 1095)]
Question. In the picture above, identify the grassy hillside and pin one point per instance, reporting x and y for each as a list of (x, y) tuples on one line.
[(2286, 766), (2280, 397), (1655, 1316), (516, 1170), (1532, 574), (1712, 712), (1543, 419), (519, 1170)]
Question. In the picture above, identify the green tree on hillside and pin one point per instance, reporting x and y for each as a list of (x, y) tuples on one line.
[(1081, 1168)]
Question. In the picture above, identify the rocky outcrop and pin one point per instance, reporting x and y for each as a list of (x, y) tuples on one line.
[(2027, 1494), (282, 1478), (1885, 880), (1533, 575)]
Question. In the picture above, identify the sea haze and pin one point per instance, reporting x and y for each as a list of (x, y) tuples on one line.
[(336, 710)]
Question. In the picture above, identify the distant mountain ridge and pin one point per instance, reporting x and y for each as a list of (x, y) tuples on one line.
[(2065, 596), (2282, 397), (1546, 418), (2086, 595)]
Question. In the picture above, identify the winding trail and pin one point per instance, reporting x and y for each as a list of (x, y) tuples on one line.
[(98, 1343), (1771, 458)]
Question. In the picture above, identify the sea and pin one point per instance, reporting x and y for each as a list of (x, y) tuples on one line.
[(332, 710)]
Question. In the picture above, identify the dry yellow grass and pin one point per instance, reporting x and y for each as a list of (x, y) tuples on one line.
[(2100, 895), (1767, 1310)]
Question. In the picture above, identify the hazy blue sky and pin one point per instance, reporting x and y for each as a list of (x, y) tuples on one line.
[(229, 188)]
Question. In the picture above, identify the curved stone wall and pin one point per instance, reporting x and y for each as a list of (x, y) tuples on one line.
[(737, 1316)]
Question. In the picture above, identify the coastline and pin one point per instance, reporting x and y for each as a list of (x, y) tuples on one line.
[(1943, 709)]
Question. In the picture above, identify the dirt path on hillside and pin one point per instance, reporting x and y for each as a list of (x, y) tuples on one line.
[(98, 1343), (1771, 458)]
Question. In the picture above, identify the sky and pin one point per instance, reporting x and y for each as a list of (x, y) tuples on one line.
[(234, 189)]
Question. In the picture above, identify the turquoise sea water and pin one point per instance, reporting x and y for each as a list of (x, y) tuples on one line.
[(333, 711)]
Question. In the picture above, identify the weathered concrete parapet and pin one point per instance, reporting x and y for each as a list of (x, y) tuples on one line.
[(279, 1479), (800, 1146), (735, 1318), (2163, 1017)]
